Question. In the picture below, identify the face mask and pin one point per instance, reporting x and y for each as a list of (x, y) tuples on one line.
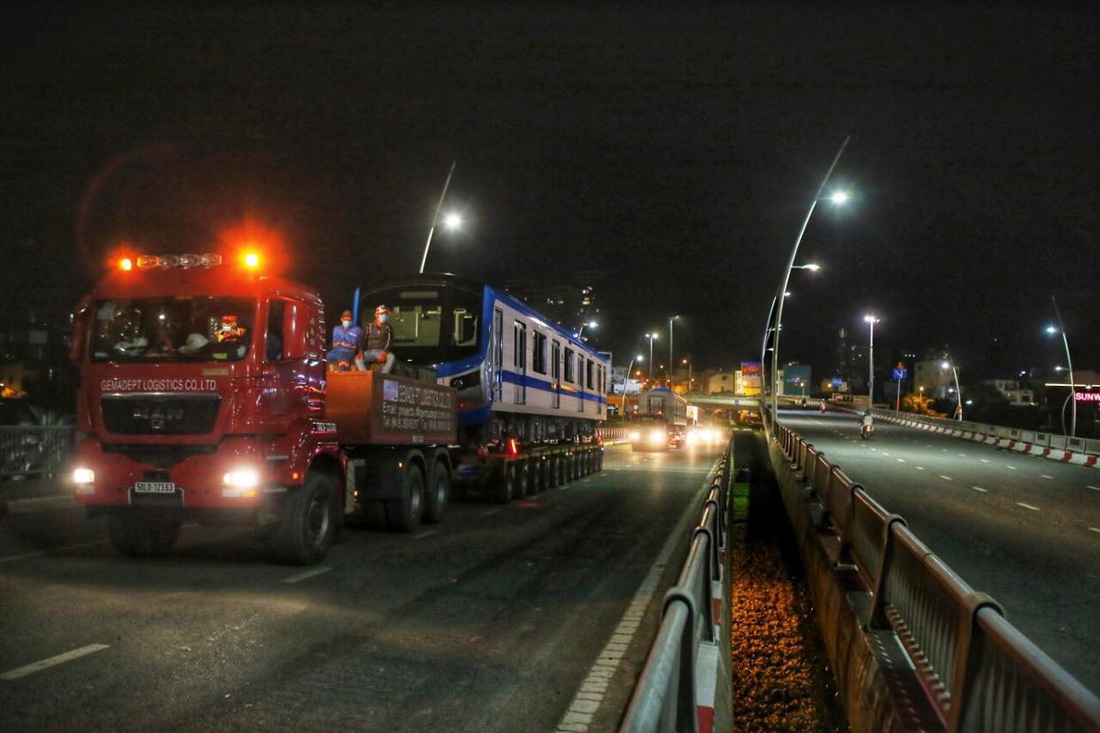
[(347, 324), (383, 318)]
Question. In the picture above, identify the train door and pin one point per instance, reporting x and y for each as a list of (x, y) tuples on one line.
[(496, 349), (519, 360)]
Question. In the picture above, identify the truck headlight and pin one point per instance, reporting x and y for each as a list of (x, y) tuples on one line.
[(240, 483), (84, 478)]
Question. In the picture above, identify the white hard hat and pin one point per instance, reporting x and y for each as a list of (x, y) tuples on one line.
[(195, 342)]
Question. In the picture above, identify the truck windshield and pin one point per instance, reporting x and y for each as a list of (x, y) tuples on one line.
[(200, 328)]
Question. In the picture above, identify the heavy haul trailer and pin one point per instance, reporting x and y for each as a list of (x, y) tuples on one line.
[(531, 394), (204, 397), (660, 420)]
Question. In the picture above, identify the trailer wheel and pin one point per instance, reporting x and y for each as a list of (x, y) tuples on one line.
[(553, 468), (599, 461), (309, 522), (543, 474), (504, 483), (142, 537), (436, 498), (404, 514), (523, 479)]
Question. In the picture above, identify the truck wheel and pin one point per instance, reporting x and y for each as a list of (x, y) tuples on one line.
[(440, 490), (139, 537), (404, 514), (309, 522)]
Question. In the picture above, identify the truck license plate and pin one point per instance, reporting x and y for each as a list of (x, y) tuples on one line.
[(155, 487)]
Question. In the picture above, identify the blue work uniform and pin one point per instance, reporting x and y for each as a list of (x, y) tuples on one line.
[(346, 343)]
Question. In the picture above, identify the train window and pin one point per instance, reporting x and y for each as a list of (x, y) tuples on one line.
[(590, 374), (555, 372), (465, 327), (416, 325), (569, 360), (538, 355)]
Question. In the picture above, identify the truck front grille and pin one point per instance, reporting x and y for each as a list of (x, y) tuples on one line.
[(160, 414)]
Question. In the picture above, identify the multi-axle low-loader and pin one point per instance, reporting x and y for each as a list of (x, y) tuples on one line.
[(205, 397)]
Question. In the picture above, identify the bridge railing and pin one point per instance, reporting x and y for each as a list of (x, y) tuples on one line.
[(668, 689), (977, 670), (1090, 446)]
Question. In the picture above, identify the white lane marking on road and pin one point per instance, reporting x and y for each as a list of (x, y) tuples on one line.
[(307, 574), (1027, 506), (587, 700), (425, 533), (900, 460), (1094, 529), (42, 664), (1049, 478), (1094, 488), (985, 460), (1011, 468), (41, 553), (920, 468), (979, 488), (946, 478)]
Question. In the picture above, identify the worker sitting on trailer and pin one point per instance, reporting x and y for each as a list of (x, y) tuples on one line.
[(379, 336), (347, 342)]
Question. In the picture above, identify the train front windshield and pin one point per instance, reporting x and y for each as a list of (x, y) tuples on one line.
[(431, 325)]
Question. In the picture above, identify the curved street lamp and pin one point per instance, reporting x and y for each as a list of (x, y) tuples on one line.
[(871, 320), (670, 320), (838, 198), (626, 381), (451, 220), (958, 389), (1069, 364)]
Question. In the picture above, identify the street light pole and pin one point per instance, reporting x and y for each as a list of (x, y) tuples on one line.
[(786, 281), (435, 219), (958, 390), (670, 362), (1069, 365), (872, 320), (651, 336)]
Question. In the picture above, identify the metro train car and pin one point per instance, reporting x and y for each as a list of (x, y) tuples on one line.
[(518, 374)]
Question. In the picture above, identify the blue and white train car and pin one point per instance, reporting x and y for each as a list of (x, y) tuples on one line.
[(518, 374)]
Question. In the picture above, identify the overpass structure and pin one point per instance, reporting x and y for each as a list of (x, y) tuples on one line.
[(914, 647)]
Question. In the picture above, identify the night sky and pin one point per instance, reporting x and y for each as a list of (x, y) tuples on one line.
[(676, 150)]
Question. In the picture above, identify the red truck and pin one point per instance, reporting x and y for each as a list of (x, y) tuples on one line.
[(204, 397)]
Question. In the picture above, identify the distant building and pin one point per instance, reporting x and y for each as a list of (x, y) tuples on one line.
[(796, 379), (722, 382), (1012, 391), (571, 305)]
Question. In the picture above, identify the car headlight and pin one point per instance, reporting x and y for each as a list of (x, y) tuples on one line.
[(634, 435)]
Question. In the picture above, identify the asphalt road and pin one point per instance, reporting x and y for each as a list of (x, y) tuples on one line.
[(490, 621), (1024, 529)]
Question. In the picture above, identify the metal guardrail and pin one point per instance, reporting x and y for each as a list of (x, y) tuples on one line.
[(33, 451), (981, 673), (665, 697), (1090, 446)]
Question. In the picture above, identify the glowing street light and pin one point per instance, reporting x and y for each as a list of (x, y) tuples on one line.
[(451, 220), (836, 198), (651, 337), (1069, 364), (871, 321), (958, 389)]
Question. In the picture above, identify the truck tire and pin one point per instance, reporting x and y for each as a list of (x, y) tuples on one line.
[(137, 537), (309, 522), (438, 493), (404, 514)]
